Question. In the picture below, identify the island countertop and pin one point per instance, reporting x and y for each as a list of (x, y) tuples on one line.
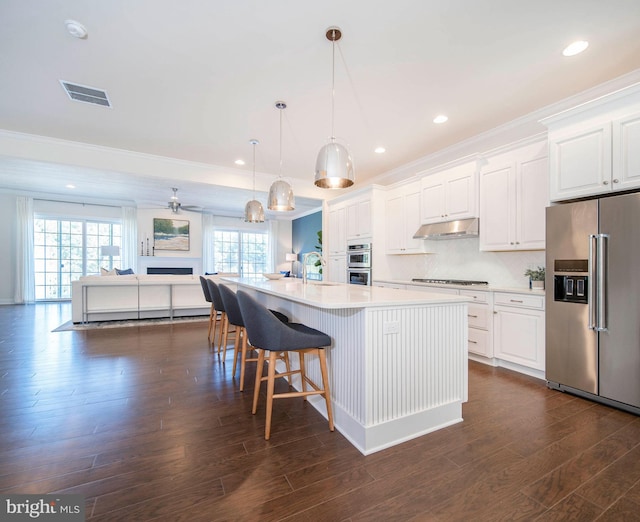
[(339, 295)]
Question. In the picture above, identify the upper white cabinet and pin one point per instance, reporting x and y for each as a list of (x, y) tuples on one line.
[(336, 238), (450, 194), (359, 219), (595, 148), (513, 197), (402, 211)]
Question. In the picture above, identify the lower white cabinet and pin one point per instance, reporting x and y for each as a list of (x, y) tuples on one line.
[(518, 329), (480, 322), (337, 268)]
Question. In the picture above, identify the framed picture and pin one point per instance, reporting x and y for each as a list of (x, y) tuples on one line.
[(170, 234)]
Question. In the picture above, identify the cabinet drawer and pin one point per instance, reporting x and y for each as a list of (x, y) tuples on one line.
[(476, 297), (478, 316), (479, 342), (521, 300)]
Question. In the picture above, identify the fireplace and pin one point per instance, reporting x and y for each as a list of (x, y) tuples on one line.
[(170, 270)]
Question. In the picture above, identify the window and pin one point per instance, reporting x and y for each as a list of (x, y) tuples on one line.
[(244, 253), (65, 249)]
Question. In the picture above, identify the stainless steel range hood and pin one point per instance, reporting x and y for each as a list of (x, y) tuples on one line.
[(459, 228)]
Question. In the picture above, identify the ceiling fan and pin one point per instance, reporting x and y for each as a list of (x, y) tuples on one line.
[(174, 204)]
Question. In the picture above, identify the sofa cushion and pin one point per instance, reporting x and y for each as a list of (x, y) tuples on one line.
[(105, 272), (126, 271)]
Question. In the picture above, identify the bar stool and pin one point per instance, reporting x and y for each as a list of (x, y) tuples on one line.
[(212, 313), (224, 330), (235, 318), (266, 333)]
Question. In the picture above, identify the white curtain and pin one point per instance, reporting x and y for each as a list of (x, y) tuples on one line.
[(207, 243), (25, 285), (129, 254)]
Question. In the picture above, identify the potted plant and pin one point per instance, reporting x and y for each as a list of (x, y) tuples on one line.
[(536, 277)]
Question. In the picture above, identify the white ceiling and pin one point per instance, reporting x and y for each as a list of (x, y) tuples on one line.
[(193, 81)]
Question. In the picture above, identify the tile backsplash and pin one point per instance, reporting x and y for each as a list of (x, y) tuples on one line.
[(462, 259)]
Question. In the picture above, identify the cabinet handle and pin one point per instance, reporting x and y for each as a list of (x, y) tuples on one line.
[(495, 313), (515, 301), (517, 242), (605, 182), (473, 342), (615, 181), (474, 316)]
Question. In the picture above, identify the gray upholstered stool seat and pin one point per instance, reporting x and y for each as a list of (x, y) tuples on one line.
[(268, 334)]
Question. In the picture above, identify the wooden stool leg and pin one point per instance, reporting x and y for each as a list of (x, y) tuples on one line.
[(256, 391), (243, 358), (325, 386), (303, 375), (223, 316), (225, 336), (211, 312), (270, 385), (236, 350), (287, 364)]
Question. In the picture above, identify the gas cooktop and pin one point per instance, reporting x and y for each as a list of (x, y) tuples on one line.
[(450, 281)]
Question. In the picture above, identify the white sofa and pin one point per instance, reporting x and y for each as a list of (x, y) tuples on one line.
[(117, 297)]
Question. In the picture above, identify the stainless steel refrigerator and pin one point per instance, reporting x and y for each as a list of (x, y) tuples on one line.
[(593, 299)]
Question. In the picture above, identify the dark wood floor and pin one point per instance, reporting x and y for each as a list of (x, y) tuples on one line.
[(147, 424)]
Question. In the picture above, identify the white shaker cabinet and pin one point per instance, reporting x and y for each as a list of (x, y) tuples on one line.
[(337, 269), (480, 322), (595, 148), (518, 329), (359, 219), (402, 212), (450, 194), (513, 196), (336, 237)]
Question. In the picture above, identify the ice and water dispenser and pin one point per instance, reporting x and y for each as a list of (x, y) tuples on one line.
[(571, 285)]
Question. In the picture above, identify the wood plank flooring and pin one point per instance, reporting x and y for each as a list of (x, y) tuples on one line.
[(148, 424)]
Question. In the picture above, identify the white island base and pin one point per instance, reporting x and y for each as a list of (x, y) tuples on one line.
[(398, 362)]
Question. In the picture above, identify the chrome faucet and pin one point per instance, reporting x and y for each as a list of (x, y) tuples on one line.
[(306, 258)]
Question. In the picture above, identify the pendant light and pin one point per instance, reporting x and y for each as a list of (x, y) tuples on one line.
[(281, 194), (334, 166), (253, 211)]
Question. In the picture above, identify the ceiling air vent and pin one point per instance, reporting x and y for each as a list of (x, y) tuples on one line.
[(85, 94)]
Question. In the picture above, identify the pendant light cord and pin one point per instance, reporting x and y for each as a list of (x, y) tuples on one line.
[(333, 83), (281, 142), (254, 170)]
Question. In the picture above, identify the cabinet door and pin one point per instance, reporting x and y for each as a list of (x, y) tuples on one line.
[(497, 214), (412, 222), (359, 220), (433, 199), (626, 153), (395, 224), (337, 269), (519, 336), (337, 235), (580, 163), (460, 193), (531, 201)]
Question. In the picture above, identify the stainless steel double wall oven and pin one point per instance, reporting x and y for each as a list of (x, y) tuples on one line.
[(359, 263)]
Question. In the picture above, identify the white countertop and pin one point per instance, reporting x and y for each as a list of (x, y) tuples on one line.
[(481, 288), (338, 295)]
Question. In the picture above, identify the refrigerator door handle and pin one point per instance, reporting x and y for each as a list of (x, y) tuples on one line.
[(601, 275), (591, 298)]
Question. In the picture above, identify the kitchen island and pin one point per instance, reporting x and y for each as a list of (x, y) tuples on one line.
[(398, 361)]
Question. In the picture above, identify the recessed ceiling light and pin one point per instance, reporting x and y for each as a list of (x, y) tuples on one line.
[(239, 162), (440, 118), (380, 150), (575, 48), (76, 29), (70, 186)]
